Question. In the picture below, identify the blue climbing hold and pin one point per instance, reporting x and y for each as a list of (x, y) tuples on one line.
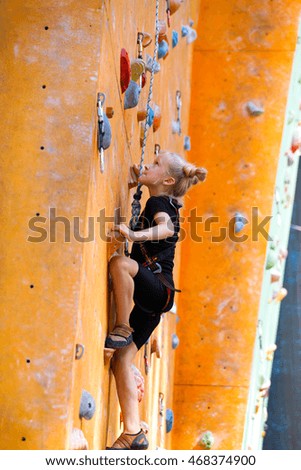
[(175, 38), (131, 96), (175, 341), (184, 31), (169, 419), (150, 118), (240, 222), (162, 49)]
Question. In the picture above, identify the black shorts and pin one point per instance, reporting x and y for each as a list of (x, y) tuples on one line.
[(150, 297)]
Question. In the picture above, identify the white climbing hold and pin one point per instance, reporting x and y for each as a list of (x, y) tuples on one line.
[(253, 109), (149, 64)]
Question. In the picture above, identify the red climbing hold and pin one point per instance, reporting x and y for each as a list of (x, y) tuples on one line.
[(143, 79), (125, 70), (296, 138)]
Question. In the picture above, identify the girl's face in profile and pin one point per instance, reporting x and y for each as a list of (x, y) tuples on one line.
[(156, 172)]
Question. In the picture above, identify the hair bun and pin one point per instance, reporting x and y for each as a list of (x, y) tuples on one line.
[(201, 173), (190, 171)]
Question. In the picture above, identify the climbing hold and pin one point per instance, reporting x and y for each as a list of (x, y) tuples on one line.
[(79, 351), (271, 259), (163, 49), (107, 137), (207, 439), (283, 252), (143, 80), (174, 5), (104, 126), (253, 109), (174, 341), (146, 39), (290, 158), (176, 127), (104, 133), (109, 112), (296, 139), (157, 118), (270, 352), (141, 115), (191, 36), (264, 389), (139, 382), (137, 69), (187, 144), (149, 64), (169, 418), (239, 223), (184, 31), (125, 70), (155, 348), (278, 296), (87, 405), (145, 357), (162, 28), (78, 440), (275, 275), (150, 118), (131, 96), (175, 38)]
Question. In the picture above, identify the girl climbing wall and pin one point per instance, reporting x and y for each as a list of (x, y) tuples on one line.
[(146, 278)]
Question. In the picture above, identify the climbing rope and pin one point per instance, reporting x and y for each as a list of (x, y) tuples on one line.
[(136, 206)]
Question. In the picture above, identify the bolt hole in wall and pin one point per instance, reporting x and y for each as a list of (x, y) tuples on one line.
[(46, 27), (44, 86), (28, 361), (42, 148), (31, 286), (23, 439)]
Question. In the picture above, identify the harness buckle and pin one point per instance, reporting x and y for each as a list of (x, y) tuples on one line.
[(159, 270)]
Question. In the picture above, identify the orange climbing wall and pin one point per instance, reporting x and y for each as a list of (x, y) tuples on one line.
[(243, 53), (55, 293)]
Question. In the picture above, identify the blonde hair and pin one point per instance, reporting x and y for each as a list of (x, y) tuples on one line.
[(184, 173)]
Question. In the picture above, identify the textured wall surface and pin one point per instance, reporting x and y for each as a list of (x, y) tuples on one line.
[(55, 293)]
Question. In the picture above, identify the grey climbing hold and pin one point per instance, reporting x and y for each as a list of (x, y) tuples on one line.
[(169, 419), (107, 136), (187, 144), (253, 109), (87, 405), (174, 341), (239, 223), (131, 96), (149, 64)]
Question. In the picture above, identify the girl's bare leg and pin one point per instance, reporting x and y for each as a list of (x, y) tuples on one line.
[(122, 271), (126, 387)]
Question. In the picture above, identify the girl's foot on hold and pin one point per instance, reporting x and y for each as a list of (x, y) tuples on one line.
[(130, 442), (119, 337)]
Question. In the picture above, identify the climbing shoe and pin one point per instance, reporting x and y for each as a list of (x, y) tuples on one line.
[(130, 442), (123, 331)]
